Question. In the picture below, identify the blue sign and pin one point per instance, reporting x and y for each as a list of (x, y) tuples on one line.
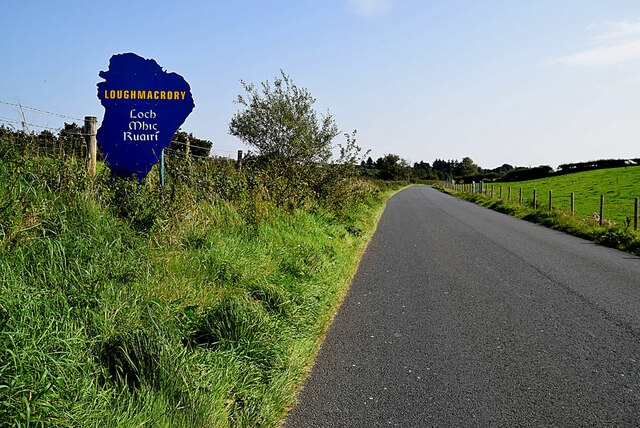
[(144, 107)]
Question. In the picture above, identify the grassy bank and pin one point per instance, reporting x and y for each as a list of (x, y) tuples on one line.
[(202, 304), (618, 185), (622, 237)]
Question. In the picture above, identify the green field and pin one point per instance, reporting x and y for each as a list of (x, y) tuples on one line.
[(620, 186)]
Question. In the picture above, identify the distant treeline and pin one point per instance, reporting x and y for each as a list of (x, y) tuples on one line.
[(598, 164), (393, 167)]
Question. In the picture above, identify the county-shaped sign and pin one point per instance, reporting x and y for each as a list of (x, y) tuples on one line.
[(144, 107)]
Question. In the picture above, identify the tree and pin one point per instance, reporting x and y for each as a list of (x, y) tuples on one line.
[(197, 147), (370, 163), (281, 121), (392, 167), (421, 169), (466, 167), (72, 137), (444, 169)]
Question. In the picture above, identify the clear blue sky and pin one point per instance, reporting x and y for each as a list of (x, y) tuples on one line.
[(519, 82)]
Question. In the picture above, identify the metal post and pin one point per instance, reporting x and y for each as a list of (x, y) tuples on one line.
[(601, 210), (520, 200), (500, 192), (90, 129), (162, 168), (550, 200), (509, 195), (535, 200)]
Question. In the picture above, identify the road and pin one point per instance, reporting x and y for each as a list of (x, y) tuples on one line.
[(460, 316)]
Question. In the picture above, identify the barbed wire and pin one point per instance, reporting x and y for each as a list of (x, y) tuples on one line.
[(23, 123), (52, 148), (190, 145), (66, 138), (213, 152), (7, 120), (81, 134), (40, 111), (171, 152), (174, 153), (228, 156), (226, 151)]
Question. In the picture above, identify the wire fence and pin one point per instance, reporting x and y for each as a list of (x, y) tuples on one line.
[(68, 139), (22, 107), (548, 200)]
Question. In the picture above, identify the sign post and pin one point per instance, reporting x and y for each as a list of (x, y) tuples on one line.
[(162, 168)]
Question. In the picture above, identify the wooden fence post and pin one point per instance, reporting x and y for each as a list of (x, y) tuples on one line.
[(500, 192), (601, 209), (520, 200), (635, 216), (572, 203), (550, 201), (509, 195), (239, 161), (535, 200), (90, 129)]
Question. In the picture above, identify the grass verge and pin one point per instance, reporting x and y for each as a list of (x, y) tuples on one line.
[(119, 309), (620, 237)]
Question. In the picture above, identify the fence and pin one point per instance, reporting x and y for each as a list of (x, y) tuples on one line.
[(73, 139), (491, 192)]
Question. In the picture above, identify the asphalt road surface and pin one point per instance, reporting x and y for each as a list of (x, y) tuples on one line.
[(459, 316)]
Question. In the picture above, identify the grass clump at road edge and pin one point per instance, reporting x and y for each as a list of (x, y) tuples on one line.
[(620, 237), (206, 309)]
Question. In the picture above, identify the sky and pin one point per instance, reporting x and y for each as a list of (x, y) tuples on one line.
[(528, 83)]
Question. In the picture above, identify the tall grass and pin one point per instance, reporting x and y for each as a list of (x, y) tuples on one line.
[(200, 304)]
